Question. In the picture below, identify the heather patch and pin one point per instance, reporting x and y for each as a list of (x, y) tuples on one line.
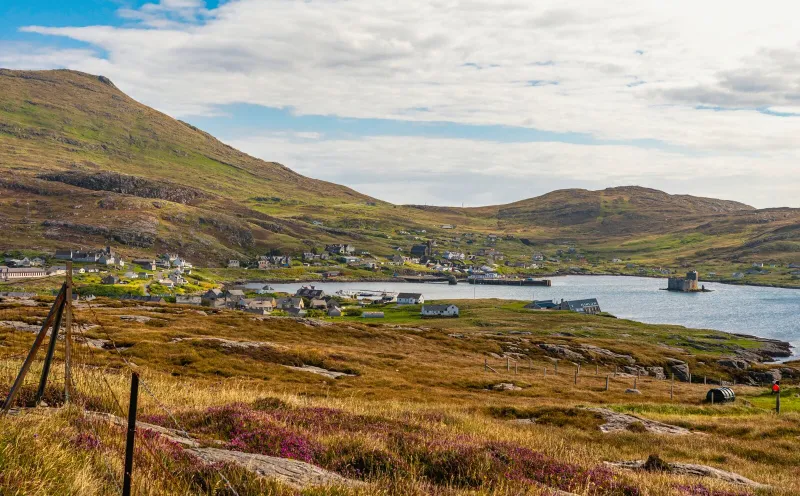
[(369, 447), (701, 490)]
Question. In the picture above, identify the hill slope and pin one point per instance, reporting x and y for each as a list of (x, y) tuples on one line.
[(83, 165)]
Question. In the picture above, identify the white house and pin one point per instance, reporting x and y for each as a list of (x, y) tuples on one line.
[(233, 264), (439, 311), (453, 255), (410, 299)]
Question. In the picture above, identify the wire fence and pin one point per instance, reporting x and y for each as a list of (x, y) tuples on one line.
[(603, 378)]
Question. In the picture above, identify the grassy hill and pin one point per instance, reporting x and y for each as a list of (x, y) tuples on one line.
[(82, 165)]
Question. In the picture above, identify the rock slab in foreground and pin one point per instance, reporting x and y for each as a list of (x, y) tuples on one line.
[(694, 470), (293, 473), (618, 422), (331, 374)]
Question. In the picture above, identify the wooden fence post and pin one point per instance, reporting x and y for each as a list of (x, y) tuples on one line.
[(515, 368), (556, 368), (778, 403), (634, 382), (576, 375), (126, 481), (606, 383), (508, 364), (545, 372), (37, 343), (48, 358), (596, 369), (68, 336)]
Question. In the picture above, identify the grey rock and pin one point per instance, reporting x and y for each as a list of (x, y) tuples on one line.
[(506, 386), (733, 363), (562, 351), (657, 372), (604, 353), (764, 377), (619, 422), (695, 471), (635, 370), (679, 368), (632, 391)]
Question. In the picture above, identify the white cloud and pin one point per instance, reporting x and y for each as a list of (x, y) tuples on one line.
[(455, 171), (626, 70)]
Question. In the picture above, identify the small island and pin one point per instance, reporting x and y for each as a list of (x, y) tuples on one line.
[(689, 284)]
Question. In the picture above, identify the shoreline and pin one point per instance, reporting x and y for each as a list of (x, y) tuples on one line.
[(542, 276)]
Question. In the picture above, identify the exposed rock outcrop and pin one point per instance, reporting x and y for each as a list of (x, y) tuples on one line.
[(596, 351), (129, 185), (679, 368), (330, 374), (293, 473), (688, 469), (506, 386), (562, 352), (734, 363), (618, 422)]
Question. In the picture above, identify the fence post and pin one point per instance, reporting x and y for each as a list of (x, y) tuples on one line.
[(576, 375), (596, 369), (606, 383), (48, 360), (68, 336), (704, 380), (634, 382), (616, 367), (485, 365), (556, 367), (545, 372), (515, 368), (508, 364), (778, 403), (126, 481)]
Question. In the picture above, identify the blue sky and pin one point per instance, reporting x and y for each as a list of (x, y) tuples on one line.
[(505, 103)]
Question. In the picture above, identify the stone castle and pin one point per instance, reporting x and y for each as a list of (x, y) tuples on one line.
[(687, 284)]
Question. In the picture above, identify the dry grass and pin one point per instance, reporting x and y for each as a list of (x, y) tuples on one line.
[(419, 378)]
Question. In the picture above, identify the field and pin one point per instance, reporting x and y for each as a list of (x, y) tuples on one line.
[(418, 411)]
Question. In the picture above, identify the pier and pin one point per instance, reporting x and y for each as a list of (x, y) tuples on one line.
[(512, 282)]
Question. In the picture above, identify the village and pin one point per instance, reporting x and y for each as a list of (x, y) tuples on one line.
[(172, 278), (443, 254)]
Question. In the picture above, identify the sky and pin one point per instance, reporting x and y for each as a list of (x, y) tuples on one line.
[(455, 102)]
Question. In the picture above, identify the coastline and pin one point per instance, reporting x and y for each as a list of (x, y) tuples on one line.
[(538, 276)]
